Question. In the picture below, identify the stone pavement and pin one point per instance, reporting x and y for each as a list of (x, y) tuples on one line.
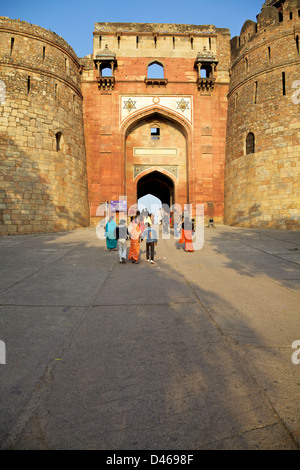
[(194, 352)]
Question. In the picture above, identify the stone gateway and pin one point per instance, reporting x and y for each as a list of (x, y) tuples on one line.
[(182, 112)]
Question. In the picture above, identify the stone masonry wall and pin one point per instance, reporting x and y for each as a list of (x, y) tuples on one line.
[(262, 189), (43, 166)]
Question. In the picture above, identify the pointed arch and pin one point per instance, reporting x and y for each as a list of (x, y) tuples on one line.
[(164, 188), (157, 112), (250, 143), (155, 69), (176, 118)]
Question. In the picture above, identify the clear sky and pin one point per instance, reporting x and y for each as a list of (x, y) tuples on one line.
[(74, 19)]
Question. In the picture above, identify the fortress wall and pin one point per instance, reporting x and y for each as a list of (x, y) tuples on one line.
[(43, 167), (262, 187), (47, 128)]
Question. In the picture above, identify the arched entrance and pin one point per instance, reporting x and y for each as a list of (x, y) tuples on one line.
[(156, 146), (157, 184)]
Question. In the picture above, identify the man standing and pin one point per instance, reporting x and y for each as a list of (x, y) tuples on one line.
[(151, 240), (122, 235)]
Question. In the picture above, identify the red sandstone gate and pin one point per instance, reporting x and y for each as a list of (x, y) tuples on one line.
[(156, 157), (172, 125)]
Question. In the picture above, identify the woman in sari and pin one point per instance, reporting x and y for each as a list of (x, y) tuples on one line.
[(111, 241), (135, 235), (186, 235)]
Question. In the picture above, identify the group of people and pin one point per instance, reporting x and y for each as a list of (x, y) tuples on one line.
[(183, 227), (141, 228)]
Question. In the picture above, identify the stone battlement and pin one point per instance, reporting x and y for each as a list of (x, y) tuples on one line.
[(158, 28), (28, 29), (275, 18)]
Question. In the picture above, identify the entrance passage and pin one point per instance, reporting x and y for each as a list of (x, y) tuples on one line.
[(157, 184)]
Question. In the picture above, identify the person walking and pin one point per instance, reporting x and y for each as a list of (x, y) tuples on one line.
[(166, 222), (111, 242), (187, 235), (135, 237), (148, 219), (122, 235), (176, 224), (151, 241)]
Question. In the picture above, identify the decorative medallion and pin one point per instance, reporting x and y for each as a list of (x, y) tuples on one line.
[(156, 100), (182, 105), (129, 105)]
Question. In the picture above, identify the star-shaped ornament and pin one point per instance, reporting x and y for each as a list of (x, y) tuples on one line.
[(182, 105), (129, 105)]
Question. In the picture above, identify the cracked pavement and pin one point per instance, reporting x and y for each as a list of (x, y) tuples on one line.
[(193, 352)]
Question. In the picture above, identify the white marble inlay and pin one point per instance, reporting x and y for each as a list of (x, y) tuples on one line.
[(181, 105)]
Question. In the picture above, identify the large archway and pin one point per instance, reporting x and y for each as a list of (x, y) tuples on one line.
[(156, 143), (157, 184)]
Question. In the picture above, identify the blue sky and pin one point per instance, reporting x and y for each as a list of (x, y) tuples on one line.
[(74, 20)]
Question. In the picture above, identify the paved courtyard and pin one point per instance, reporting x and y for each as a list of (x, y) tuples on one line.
[(194, 352)]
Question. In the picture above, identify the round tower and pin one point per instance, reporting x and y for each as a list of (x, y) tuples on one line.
[(262, 173), (43, 166)]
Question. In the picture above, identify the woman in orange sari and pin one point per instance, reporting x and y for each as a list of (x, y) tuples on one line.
[(135, 235), (186, 235)]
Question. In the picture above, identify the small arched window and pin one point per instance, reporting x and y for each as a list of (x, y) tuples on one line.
[(155, 70), (58, 137), (155, 132), (106, 71), (280, 13), (206, 71), (250, 143)]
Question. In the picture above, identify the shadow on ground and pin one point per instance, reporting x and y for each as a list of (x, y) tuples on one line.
[(108, 356)]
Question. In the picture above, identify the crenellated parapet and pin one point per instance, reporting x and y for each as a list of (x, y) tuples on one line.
[(277, 18)]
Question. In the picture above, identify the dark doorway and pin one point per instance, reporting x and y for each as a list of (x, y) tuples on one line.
[(159, 185)]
